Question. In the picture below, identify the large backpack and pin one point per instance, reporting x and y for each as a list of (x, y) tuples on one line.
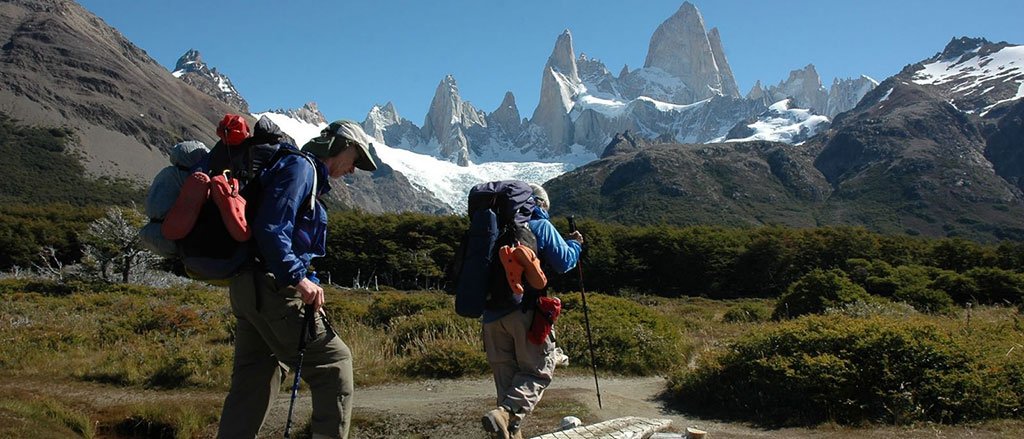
[(186, 158), (498, 215), (211, 250)]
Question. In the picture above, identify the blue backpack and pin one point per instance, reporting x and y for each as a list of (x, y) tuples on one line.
[(498, 212)]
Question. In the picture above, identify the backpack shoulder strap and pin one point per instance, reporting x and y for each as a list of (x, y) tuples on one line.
[(282, 152)]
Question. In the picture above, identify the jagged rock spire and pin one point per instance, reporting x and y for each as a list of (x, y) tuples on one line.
[(804, 86), (680, 46), (560, 82), (448, 117), (729, 87), (506, 116)]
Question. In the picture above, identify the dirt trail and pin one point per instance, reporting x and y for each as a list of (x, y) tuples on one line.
[(452, 409)]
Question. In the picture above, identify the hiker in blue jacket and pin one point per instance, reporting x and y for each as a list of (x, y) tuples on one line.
[(522, 370), (290, 229)]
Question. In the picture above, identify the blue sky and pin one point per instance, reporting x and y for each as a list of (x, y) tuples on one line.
[(348, 55)]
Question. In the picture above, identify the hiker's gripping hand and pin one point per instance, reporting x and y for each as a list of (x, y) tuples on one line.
[(312, 294), (576, 236)]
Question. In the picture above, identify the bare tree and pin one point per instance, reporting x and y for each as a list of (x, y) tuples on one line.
[(112, 246), (51, 265)]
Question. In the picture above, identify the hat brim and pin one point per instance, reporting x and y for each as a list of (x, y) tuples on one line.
[(365, 161)]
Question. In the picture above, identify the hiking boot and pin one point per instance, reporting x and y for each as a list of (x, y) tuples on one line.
[(495, 422), (515, 432), (531, 267), (513, 271)]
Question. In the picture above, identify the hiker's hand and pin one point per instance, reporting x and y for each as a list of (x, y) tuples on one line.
[(576, 236), (311, 293)]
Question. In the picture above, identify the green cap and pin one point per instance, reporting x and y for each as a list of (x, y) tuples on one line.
[(332, 141)]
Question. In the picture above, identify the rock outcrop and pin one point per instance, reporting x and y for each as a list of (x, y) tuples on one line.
[(804, 87), (846, 93)]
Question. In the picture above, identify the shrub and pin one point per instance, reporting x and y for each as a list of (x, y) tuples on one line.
[(817, 291), (875, 308), (407, 332), (846, 370), (345, 310), (960, 287), (387, 306), (747, 313), (628, 338), (997, 286), (444, 358), (925, 299)]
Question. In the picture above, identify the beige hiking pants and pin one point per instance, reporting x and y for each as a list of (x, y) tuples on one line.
[(522, 370), (269, 321)]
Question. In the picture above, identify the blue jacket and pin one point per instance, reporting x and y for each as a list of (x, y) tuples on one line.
[(288, 233), (555, 253)]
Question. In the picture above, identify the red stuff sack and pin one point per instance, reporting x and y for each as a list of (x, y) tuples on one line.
[(233, 129), (182, 217), (544, 317), (224, 191)]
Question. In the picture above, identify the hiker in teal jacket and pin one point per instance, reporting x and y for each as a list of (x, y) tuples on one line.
[(522, 370), (268, 300)]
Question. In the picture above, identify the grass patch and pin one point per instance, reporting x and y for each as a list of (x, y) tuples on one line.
[(152, 420), (33, 416)]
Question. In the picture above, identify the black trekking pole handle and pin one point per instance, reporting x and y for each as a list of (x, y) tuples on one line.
[(308, 326), (586, 314)]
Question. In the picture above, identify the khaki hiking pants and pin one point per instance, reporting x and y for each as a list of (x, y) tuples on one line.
[(522, 370), (269, 321)]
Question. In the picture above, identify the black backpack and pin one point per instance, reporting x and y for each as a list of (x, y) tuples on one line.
[(209, 252), (498, 215)]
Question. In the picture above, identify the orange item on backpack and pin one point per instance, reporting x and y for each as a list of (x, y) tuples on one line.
[(544, 317), (531, 266), (513, 271), (518, 261), (182, 216), (224, 191)]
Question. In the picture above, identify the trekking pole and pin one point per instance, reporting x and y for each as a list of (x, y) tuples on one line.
[(586, 315), (308, 325)]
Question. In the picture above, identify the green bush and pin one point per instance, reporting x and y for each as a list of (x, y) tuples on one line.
[(925, 299), (960, 287), (628, 338), (849, 370), (817, 291), (445, 358), (747, 313), (410, 332), (344, 310), (388, 306), (997, 286), (875, 308)]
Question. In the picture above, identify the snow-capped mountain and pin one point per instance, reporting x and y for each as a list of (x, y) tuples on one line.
[(685, 91), (975, 74), (191, 69), (441, 179)]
